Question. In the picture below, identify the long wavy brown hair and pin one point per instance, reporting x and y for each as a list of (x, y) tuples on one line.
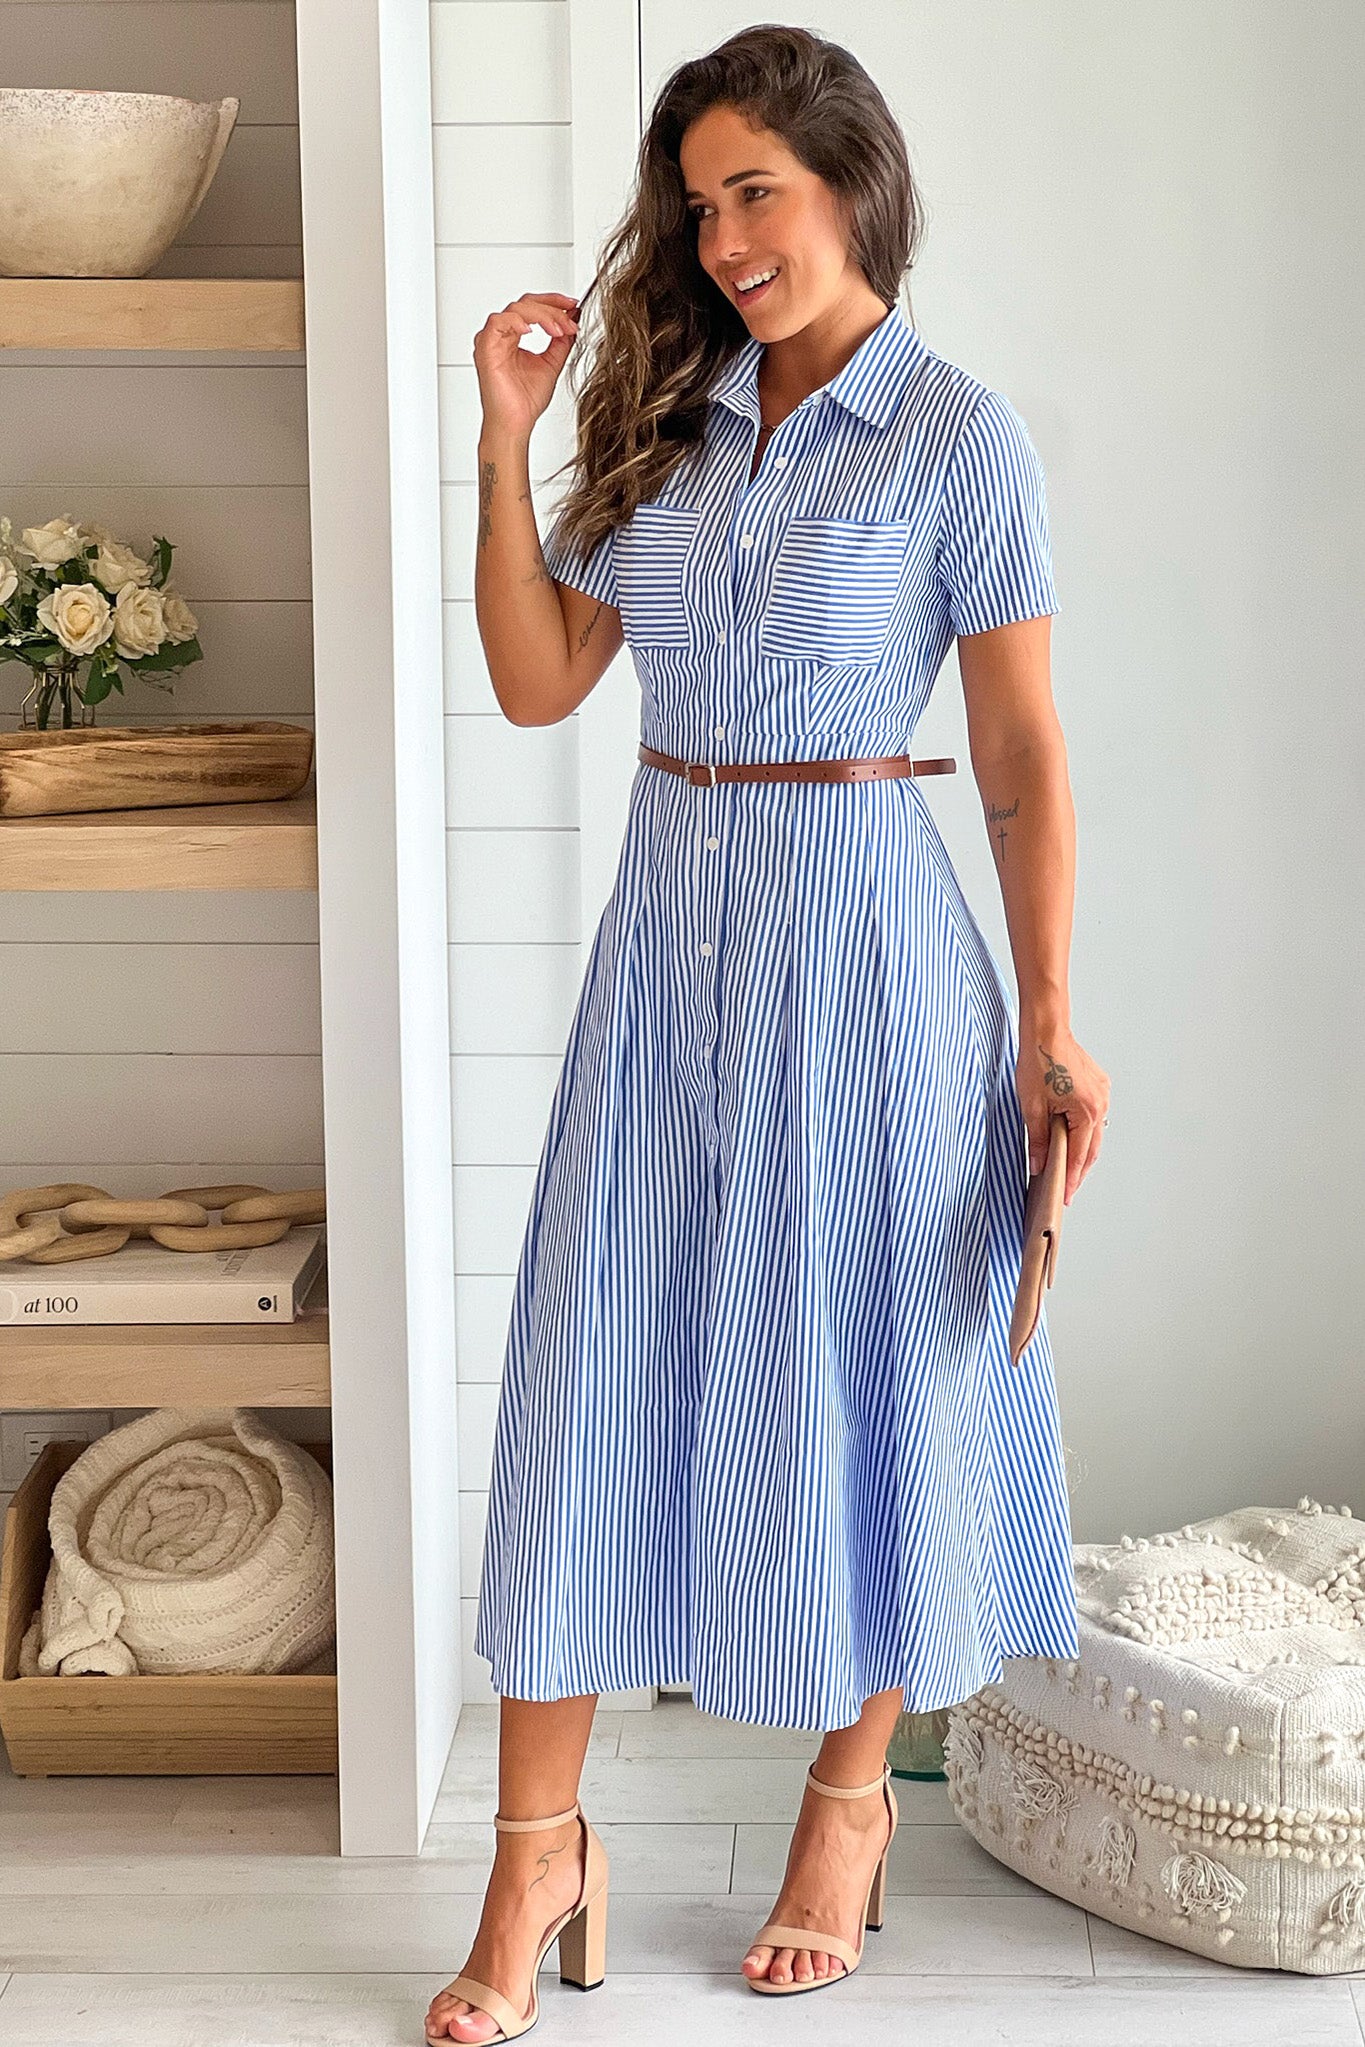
[(660, 330)]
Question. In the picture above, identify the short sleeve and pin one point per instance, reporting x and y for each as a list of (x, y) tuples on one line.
[(596, 575), (995, 552)]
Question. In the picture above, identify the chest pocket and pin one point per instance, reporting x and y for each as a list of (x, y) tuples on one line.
[(833, 589), (652, 550)]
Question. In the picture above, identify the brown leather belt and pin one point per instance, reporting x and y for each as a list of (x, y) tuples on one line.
[(870, 768)]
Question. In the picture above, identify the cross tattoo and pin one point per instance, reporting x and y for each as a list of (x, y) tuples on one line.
[(996, 811)]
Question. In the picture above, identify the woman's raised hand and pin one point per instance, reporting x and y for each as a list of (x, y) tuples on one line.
[(515, 385)]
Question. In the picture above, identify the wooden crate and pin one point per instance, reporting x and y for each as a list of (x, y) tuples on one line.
[(143, 1726)]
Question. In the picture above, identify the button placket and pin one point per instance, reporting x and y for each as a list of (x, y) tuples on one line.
[(764, 490), (770, 461), (709, 890), (708, 906)]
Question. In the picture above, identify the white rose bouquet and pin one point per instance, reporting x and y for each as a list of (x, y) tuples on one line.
[(72, 595)]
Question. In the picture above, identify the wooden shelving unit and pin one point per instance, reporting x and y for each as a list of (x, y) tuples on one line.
[(208, 846), (152, 312), (212, 845), (372, 400), (284, 1364)]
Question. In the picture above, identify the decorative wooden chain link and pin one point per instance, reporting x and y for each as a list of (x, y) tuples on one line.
[(56, 1225)]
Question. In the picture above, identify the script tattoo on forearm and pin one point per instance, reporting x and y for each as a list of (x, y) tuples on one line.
[(1056, 1077), (995, 812), (488, 476), (584, 635)]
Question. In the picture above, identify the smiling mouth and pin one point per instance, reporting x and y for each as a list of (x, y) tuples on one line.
[(756, 291)]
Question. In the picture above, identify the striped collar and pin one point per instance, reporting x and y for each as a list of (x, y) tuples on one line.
[(870, 383)]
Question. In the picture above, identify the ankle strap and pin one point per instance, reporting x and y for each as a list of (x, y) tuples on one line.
[(847, 1790), (556, 1819)]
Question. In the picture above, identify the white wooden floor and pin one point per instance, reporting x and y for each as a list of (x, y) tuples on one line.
[(215, 1912)]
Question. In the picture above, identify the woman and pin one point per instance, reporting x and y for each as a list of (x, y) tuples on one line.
[(758, 1427)]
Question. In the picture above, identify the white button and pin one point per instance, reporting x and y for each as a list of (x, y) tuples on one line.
[(779, 461), (746, 539), (720, 732), (711, 845), (706, 945), (721, 634)]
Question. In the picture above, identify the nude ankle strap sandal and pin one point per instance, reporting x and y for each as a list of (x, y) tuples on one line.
[(775, 1934), (581, 1932)]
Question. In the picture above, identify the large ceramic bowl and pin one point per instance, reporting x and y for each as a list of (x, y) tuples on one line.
[(99, 184)]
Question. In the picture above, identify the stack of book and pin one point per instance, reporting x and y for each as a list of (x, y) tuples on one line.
[(144, 1282)]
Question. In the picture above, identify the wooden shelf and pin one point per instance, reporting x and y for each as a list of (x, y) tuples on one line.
[(152, 312), (172, 1364), (212, 845)]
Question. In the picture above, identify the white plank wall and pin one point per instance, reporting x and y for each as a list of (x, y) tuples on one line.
[(504, 225), (154, 1040)]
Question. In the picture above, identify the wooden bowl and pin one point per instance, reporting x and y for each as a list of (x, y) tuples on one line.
[(131, 767)]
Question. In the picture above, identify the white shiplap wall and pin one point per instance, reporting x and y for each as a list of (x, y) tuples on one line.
[(500, 107), (148, 1041)]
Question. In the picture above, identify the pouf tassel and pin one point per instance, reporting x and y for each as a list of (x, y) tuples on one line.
[(1117, 1852), (962, 1747), (1196, 1883), (1036, 1793), (1346, 1907)]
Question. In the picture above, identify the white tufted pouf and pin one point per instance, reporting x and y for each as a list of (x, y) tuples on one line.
[(1198, 1774)]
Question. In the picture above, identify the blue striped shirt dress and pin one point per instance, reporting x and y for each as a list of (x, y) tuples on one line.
[(758, 1430)]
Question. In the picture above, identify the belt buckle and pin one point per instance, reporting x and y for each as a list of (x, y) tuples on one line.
[(710, 768)]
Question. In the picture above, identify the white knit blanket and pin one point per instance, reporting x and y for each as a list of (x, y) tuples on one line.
[(186, 1541)]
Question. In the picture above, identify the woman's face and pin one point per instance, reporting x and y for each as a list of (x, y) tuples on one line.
[(758, 209)]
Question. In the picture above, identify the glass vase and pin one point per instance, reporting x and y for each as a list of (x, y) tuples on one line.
[(916, 1745), (53, 704)]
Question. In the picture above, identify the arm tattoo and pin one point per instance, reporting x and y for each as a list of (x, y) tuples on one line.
[(993, 812), (584, 635), (488, 472), (1057, 1077), (488, 476)]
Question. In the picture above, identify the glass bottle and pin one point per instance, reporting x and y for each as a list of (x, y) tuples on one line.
[(916, 1745)]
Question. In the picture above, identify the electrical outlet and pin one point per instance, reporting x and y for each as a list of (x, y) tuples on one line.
[(22, 1437)]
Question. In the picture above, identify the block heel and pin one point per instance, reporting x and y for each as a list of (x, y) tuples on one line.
[(583, 1944), (775, 1934), (581, 1933), (876, 1897)]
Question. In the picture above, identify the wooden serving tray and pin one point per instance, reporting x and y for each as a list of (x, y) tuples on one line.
[(132, 767)]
